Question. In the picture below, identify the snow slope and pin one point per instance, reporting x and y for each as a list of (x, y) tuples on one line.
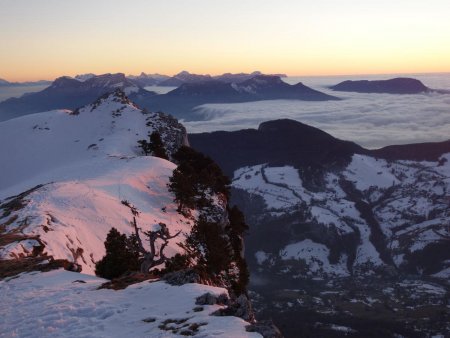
[(88, 163), (66, 304), (44, 146)]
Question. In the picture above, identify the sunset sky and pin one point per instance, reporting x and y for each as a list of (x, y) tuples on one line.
[(44, 39)]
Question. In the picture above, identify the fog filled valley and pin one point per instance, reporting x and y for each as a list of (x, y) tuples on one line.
[(371, 120)]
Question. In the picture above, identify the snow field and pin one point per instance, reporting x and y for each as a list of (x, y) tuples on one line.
[(66, 304)]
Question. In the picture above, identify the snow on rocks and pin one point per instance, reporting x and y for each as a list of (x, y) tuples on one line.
[(65, 304)]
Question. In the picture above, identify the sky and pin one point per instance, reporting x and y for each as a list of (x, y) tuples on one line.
[(44, 39)]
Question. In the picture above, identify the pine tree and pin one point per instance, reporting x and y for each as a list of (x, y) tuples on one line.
[(120, 256), (196, 178), (209, 246), (156, 146), (236, 230), (145, 146)]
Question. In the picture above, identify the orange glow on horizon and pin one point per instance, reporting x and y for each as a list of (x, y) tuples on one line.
[(51, 38)]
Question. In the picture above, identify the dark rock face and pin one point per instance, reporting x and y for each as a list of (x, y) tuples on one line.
[(279, 142), (391, 86)]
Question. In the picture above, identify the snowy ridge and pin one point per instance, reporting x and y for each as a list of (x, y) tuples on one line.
[(88, 162)]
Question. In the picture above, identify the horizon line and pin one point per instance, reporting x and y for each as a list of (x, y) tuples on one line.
[(218, 74)]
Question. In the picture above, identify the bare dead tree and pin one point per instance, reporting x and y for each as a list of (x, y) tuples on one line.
[(153, 257)]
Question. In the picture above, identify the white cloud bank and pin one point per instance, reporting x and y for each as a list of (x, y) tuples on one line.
[(371, 120)]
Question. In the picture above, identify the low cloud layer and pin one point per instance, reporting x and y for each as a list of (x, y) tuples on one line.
[(371, 120)]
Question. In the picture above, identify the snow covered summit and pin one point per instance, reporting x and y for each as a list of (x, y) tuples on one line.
[(76, 167)]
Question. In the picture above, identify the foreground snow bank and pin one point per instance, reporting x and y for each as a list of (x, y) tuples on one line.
[(67, 304)]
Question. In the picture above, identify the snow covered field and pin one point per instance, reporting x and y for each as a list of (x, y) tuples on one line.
[(66, 304)]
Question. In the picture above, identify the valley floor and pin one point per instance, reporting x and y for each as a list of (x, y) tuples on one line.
[(368, 306)]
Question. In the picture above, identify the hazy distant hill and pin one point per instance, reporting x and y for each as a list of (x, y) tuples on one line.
[(391, 86), (5, 83)]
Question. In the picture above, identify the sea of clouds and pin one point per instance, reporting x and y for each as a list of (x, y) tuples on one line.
[(371, 120)]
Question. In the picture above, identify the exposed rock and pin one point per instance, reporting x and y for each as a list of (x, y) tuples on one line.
[(265, 328), (182, 277), (240, 307), (210, 299)]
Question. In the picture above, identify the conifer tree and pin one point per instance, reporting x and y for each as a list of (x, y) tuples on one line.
[(196, 177), (236, 230), (156, 146), (120, 256)]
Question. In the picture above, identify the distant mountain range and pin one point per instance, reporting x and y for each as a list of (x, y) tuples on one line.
[(5, 83), (186, 77), (182, 100), (144, 80), (71, 93), (391, 86)]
